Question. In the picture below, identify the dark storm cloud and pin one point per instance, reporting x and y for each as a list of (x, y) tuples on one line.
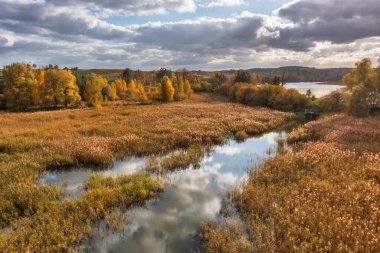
[(336, 21)]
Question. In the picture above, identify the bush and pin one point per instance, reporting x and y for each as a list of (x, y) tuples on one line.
[(272, 96), (337, 101), (359, 104), (241, 136)]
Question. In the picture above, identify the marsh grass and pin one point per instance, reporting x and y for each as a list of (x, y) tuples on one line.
[(30, 143), (180, 159), (65, 225), (323, 197)]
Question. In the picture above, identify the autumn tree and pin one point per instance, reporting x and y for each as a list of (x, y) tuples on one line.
[(60, 88), (187, 89), (93, 90), (20, 86), (40, 76), (181, 86), (141, 91), (167, 90), (132, 85), (121, 87), (110, 92), (254, 79), (174, 80), (350, 81), (218, 79), (362, 80)]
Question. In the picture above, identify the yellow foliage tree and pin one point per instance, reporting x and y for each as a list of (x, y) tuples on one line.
[(187, 89), (20, 86), (111, 92), (362, 80), (40, 76), (93, 90), (181, 86), (132, 85), (121, 87), (60, 88), (167, 90), (141, 91)]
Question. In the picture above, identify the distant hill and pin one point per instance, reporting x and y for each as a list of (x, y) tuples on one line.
[(298, 73)]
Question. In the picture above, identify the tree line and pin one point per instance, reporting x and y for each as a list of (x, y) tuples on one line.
[(25, 86)]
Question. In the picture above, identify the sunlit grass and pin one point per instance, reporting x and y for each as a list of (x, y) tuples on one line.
[(36, 217), (323, 197)]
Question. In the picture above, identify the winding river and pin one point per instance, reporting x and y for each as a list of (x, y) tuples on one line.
[(190, 196)]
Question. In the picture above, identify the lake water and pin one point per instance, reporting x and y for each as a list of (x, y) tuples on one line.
[(190, 196), (317, 89)]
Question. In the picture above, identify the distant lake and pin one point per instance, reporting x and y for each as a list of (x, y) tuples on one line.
[(317, 89)]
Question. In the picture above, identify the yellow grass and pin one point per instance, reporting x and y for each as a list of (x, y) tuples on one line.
[(323, 197), (30, 143)]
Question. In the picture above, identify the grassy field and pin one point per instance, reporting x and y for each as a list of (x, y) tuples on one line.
[(35, 218), (322, 197)]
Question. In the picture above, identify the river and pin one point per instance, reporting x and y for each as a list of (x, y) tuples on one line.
[(190, 196)]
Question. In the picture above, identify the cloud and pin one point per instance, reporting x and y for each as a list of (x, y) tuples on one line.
[(132, 7), (336, 21), (203, 35), (75, 32), (222, 3)]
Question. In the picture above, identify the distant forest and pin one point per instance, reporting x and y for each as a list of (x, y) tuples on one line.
[(264, 75), (297, 74)]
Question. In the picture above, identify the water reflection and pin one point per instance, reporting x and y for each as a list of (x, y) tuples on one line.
[(72, 180), (317, 89), (190, 196)]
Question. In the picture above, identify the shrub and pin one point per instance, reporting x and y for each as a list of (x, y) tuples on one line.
[(272, 96), (241, 136), (359, 104), (337, 101)]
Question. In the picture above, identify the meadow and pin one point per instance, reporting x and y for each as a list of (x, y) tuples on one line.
[(35, 218), (324, 196)]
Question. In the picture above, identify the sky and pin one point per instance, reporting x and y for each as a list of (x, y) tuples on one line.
[(194, 34)]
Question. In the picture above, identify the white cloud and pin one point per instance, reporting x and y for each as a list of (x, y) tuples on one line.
[(222, 3)]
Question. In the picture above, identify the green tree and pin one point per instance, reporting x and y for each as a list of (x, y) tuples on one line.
[(127, 75), (242, 76), (276, 80), (20, 86), (162, 73), (309, 94), (167, 89)]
